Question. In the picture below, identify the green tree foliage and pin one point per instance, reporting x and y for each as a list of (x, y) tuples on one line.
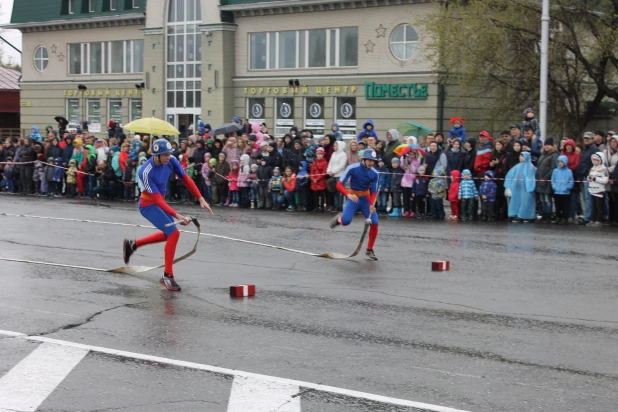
[(492, 48)]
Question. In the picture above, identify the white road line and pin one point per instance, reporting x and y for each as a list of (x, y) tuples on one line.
[(27, 385), (236, 373), (258, 395)]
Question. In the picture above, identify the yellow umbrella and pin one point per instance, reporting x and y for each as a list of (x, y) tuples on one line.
[(152, 125)]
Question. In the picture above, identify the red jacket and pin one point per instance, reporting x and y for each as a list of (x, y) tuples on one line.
[(573, 156), (318, 174), (483, 158), (453, 190), (291, 185)]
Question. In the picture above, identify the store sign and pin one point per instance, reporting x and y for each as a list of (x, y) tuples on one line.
[(257, 110), (320, 90), (94, 127), (104, 92), (315, 110), (407, 91), (346, 110), (26, 103)]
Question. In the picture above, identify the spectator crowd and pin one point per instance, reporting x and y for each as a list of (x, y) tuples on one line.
[(515, 176)]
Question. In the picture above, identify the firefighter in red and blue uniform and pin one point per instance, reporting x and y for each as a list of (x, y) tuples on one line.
[(363, 180), (153, 176)]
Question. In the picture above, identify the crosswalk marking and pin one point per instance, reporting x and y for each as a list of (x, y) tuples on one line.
[(32, 380), (258, 395), (73, 347)]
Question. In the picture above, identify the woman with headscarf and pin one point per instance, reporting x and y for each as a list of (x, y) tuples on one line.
[(328, 147), (512, 158), (521, 182), (498, 166), (352, 154)]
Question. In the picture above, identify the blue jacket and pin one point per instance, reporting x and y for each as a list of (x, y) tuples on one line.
[(396, 176), (420, 186), (371, 132), (361, 178), (459, 133), (59, 171), (467, 188), (488, 188), (302, 178), (535, 150), (521, 180), (384, 181), (562, 177), (35, 135)]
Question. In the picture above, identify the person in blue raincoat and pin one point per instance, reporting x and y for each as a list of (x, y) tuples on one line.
[(520, 180)]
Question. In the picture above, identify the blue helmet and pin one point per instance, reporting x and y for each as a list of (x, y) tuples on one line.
[(161, 147), (369, 154)]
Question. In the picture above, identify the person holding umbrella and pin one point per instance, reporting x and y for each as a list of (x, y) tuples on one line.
[(153, 177)]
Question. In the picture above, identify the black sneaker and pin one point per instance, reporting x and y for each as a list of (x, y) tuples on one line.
[(334, 221), (370, 254), (128, 248), (169, 283)]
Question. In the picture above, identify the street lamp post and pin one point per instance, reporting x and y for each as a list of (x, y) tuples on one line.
[(544, 69)]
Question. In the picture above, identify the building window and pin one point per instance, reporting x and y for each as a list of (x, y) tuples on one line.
[(91, 6), (73, 110), (404, 41), (304, 48), (135, 106), (113, 4), (41, 58), (345, 116), (106, 57), (94, 111), (136, 4), (256, 108), (314, 115), (71, 6), (115, 110)]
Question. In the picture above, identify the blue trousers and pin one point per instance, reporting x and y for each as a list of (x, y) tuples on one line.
[(351, 208), (155, 215)]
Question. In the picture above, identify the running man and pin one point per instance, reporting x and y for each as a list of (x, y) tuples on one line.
[(362, 196), (153, 177)]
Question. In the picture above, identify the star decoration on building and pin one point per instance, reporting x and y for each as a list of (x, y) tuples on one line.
[(61, 57), (381, 31), (369, 46), (53, 49)]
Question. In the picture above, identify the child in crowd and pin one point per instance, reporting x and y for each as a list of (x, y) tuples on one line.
[(453, 195), (410, 164), (289, 187), (59, 176), (487, 191), (205, 171), (275, 186), (222, 169), (302, 186), (395, 187), (437, 189), (562, 183), (243, 184), (530, 121), (265, 172), (50, 170), (253, 182), (213, 181), (40, 171), (467, 194), (36, 177), (419, 192), (127, 177), (597, 179), (233, 197), (318, 179), (72, 179), (8, 174), (384, 184)]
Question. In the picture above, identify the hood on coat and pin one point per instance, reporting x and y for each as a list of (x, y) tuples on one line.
[(90, 150), (303, 170), (466, 172), (412, 140), (72, 162), (570, 142), (35, 128), (600, 156), (563, 159), (334, 125), (295, 129), (340, 146), (456, 174), (255, 128), (245, 159), (200, 141), (50, 159), (370, 122), (201, 123), (527, 157), (490, 174), (394, 133), (472, 141), (207, 157), (59, 160)]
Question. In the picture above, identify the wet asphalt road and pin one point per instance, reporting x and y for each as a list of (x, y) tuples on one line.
[(525, 320)]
